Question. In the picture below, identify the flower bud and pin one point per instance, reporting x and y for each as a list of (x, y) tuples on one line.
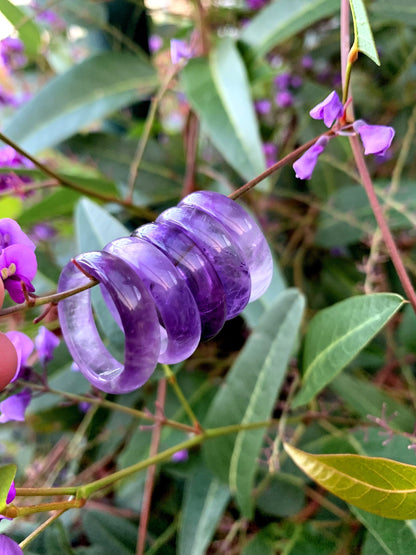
[(8, 365)]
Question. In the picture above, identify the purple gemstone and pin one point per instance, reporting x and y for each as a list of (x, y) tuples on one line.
[(245, 233), (195, 269), (216, 242), (178, 313), (137, 313)]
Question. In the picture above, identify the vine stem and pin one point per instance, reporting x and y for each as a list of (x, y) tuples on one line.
[(382, 224), (182, 399), (280, 164), (151, 471), (64, 181), (41, 528)]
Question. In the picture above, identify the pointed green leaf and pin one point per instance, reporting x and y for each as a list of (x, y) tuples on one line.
[(337, 334), (249, 394), (204, 503), (7, 474), (391, 536), (219, 91), (381, 486), (28, 31), (362, 31), (283, 19), (86, 93)]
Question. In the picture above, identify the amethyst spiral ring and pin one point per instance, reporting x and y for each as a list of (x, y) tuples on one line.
[(170, 284)]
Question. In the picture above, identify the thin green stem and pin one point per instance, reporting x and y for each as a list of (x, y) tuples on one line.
[(12, 511), (41, 528), (280, 164), (39, 301), (75, 186), (141, 147), (46, 492), (170, 376), (112, 406)]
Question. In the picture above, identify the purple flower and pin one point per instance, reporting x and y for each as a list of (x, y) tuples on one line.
[(155, 43), (9, 546), (12, 493), (284, 99), (13, 408), (180, 456), (296, 81), (256, 4), (46, 342), (270, 152), (307, 62), (305, 165), (376, 138), (17, 265), (43, 232), (12, 53), (179, 50), (11, 234), (263, 106), (282, 81), (329, 109), (24, 347)]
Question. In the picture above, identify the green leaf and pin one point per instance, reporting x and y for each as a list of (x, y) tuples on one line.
[(86, 93), (7, 474), (283, 19), (385, 11), (362, 31), (219, 91), (113, 534), (393, 537), (28, 31), (337, 334), (249, 394), (377, 485), (204, 503)]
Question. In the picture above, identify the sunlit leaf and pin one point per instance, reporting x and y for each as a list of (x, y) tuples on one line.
[(7, 474), (27, 30), (362, 31), (337, 334), (377, 485)]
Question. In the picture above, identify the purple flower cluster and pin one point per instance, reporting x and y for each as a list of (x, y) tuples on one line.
[(256, 4), (12, 53), (375, 138), (18, 263), (180, 50), (48, 17), (10, 158), (169, 284)]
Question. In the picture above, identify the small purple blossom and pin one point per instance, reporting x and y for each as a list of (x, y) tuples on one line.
[(12, 53), (376, 138), (12, 493), (9, 546), (180, 456), (270, 152), (305, 165), (329, 109), (43, 232), (307, 62), (284, 99), (180, 50), (14, 407), (24, 347), (18, 266), (283, 81), (263, 106), (155, 43), (46, 342), (296, 81), (256, 4)]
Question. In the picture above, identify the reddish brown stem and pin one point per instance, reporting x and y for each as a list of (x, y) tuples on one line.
[(382, 224)]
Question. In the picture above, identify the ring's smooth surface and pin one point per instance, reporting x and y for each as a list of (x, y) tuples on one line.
[(138, 316)]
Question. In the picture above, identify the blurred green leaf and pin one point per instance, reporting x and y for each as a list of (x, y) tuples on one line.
[(281, 20), (219, 91), (392, 537), (86, 93), (385, 11), (249, 394), (337, 334), (362, 31), (282, 497), (112, 533), (27, 30), (10, 207), (262, 544), (203, 505), (7, 474), (377, 485)]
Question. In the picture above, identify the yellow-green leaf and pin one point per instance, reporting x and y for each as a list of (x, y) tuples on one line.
[(381, 486), (7, 473)]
